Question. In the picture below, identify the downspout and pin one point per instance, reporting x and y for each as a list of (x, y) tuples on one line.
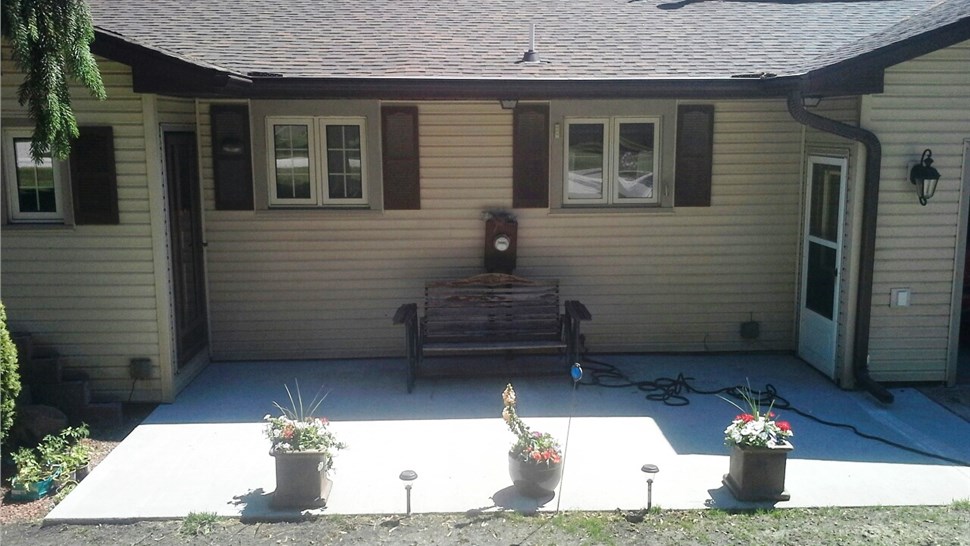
[(867, 249)]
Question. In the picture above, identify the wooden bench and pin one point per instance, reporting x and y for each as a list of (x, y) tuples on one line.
[(490, 313)]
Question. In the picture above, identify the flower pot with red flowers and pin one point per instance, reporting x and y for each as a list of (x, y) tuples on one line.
[(303, 447), (759, 453), (535, 460)]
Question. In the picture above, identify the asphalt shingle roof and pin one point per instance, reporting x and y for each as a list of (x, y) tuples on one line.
[(485, 39)]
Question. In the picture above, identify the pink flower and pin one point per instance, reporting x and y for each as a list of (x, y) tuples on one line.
[(536, 456)]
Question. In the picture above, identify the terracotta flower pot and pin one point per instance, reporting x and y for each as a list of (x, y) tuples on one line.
[(534, 480), (758, 473), (301, 480)]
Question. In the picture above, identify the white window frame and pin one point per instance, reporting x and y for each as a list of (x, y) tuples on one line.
[(318, 158), (12, 185), (611, 161)]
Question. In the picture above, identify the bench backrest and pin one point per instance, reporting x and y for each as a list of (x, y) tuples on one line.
[(492, 306)]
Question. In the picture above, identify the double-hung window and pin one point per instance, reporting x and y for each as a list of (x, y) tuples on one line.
[(316, 161), (33, 187), (611, 161)]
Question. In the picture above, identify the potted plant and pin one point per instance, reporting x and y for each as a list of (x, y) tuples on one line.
[(759, 452), (34, 478), (68, 454), (535, 460), (303, 448)]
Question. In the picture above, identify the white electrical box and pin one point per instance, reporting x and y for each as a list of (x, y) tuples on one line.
[(899, 297)]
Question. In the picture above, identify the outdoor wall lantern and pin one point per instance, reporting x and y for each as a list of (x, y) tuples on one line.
[(924, 177), (508, 104), (651, 471), (407, 477)]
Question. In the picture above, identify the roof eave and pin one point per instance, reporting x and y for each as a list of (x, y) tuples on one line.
[(866, 71), (522, 89)]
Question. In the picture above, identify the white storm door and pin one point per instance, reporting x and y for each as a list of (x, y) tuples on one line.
[(821, 260)]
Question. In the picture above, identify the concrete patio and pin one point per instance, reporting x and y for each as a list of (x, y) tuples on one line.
[(207, 453)]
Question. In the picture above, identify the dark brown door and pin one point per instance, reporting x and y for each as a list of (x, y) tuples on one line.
[(185, 224)]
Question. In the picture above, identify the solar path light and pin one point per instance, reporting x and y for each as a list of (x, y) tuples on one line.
[(407, 477), (650, 470)]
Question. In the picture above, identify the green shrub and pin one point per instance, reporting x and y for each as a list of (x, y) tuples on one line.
[(9, 377)]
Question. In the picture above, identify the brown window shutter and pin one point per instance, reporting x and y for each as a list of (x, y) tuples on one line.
[(530, 156), (231, 163), (401, 161), (695, 155), (94, 184)]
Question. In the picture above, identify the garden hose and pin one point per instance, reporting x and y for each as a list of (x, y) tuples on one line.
[(673, 392)]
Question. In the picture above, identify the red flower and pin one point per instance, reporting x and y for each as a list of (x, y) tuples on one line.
[(536, 456), (746, 417), (784, 425), (288, 431)]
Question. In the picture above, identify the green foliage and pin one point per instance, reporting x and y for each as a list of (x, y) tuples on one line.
[(56, 455), (198, 523), (31, 467), (64, 451), (962, 505), (9, 377), (591, 527), (51, 43)]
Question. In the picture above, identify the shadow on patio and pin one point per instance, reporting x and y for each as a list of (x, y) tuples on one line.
[(206, 451)]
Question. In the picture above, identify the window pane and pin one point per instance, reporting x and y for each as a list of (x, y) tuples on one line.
[(292, 153), (284, 188), (35, 181), (301, 186), (635, 151), (344, 162), (820, 286), (585, 161), (826, 192)]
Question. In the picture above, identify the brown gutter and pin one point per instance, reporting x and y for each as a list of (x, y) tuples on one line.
[(867, 249)]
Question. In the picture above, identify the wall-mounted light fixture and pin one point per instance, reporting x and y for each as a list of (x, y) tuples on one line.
[(508, 104), (924, 177)]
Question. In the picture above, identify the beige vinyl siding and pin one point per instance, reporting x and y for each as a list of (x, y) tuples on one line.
[(88, 292), (325, 283), (176, 111), (926, 104)]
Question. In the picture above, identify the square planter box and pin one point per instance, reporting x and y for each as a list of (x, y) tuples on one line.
[(758, 473), (301, 480)]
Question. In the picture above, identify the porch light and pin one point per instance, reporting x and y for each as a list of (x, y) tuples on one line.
[(650, 470), (508, 104), (924, 177), (407, 477)]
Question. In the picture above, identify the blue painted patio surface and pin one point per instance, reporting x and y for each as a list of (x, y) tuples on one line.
[(206, 452)]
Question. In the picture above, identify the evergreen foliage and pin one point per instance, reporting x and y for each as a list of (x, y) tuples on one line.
[(50, 42), (9, 376)]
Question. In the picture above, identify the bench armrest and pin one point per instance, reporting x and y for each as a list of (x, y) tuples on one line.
[(577, 311), (406, 313)]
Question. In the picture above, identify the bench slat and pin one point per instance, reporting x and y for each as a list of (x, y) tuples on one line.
[(491, 346)]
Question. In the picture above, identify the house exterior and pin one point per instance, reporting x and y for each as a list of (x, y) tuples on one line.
[(270, 183)]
